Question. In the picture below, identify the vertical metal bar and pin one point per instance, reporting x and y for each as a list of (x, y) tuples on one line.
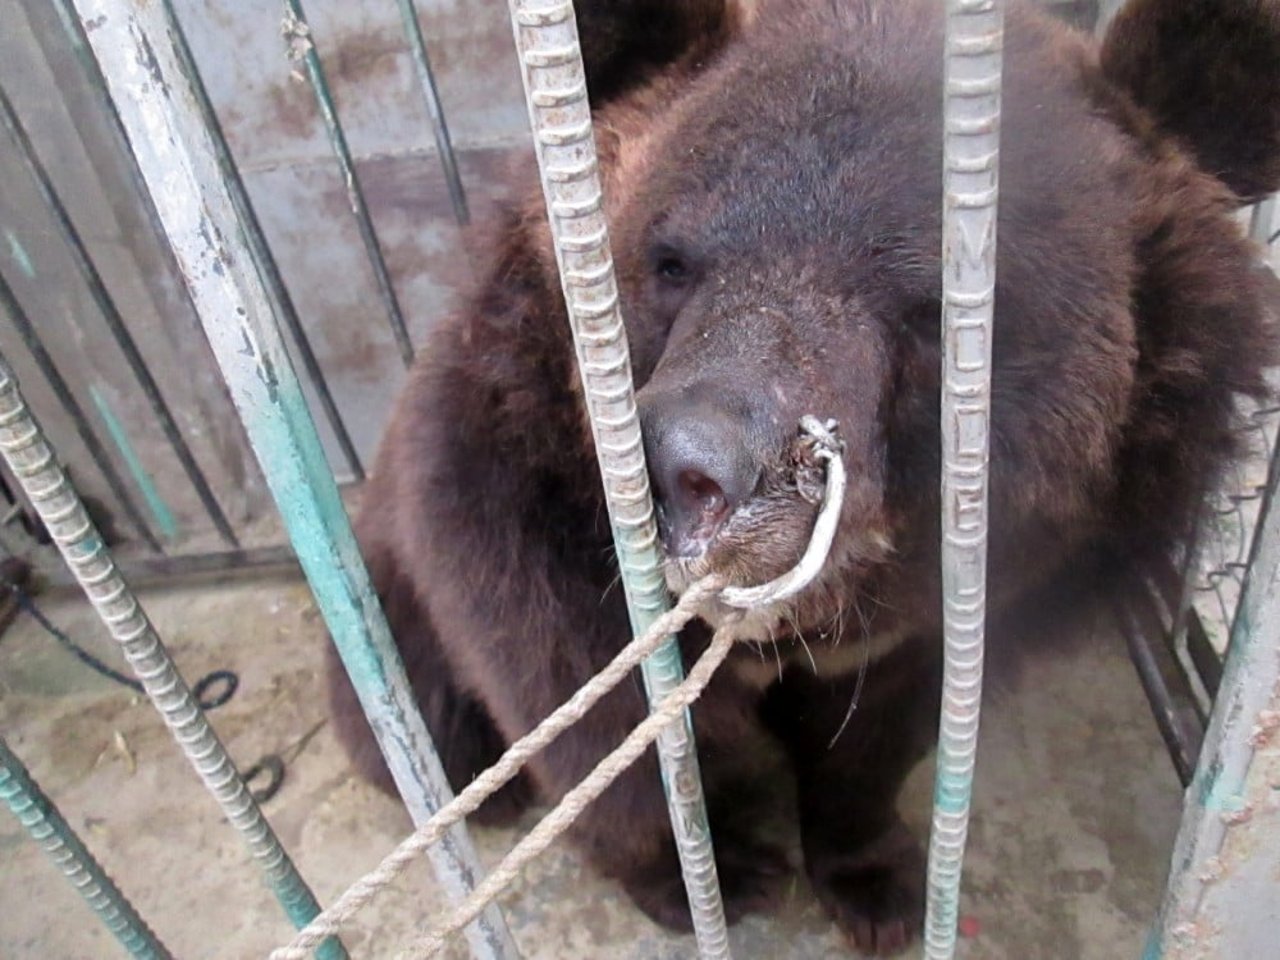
[(262, 255), (297, 34), (160, 512), (47, 827), (34, 464), (137, 52), (1261, 217), (431, 94), (974, 59), (18, 317), (111, 314), (560, 117), (1221, 898), (1177, 723), (1107, 10), (1180, 629)]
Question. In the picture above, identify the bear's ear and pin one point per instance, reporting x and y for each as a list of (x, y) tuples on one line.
[(624, 42), (1208, 72)]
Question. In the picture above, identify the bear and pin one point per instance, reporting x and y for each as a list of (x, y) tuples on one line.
[(773, 177)]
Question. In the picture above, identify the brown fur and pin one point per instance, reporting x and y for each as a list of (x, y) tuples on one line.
[(1230, 125), (790, 167), (625, 43)]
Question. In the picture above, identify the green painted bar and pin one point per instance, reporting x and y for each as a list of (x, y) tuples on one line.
[(431, 96), (47, 827), (35, 466), (27, 329), (139, 52), (115, 323), (1221, 896), (160, 511)]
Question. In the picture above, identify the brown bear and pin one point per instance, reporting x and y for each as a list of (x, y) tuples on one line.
[(773, 185)]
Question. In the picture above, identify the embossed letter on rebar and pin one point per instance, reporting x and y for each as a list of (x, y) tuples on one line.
[(974, 46)]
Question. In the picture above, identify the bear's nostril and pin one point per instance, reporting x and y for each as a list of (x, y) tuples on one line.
[(701, 465), (703, 495)]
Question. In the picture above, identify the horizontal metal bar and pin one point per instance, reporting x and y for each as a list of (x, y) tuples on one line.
[(49, 828), (62, 390), (301, 47), (34, 464), (111, 315), (224, 565)]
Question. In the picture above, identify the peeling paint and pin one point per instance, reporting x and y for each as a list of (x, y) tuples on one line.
[(20, 255)]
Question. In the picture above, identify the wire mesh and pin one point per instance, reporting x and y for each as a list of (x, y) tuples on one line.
[(1227, 529)]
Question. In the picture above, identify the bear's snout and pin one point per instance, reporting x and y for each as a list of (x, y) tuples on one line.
[(701, 467)]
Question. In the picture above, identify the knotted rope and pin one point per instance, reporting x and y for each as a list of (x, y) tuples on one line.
[(555, 823)]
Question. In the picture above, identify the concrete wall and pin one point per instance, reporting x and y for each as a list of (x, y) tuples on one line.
[(274, 129)]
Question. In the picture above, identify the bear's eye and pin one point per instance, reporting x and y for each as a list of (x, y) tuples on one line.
[(673, 277), (671, 268)]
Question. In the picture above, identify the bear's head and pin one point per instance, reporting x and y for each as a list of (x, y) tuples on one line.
[(775, 203)]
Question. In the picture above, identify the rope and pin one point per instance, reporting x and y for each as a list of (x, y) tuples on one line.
[(333, 919), (575, 801), (826, 448)]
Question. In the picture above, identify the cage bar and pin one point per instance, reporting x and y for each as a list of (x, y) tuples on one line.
[(150, 83), (33, 463), (297, 34), (1107, 10), (556, 94), (971, 156), (62, 390), (1157, 667), (1184, 613), (219, 566), (262, 254), (47, 827), (431, 95), (115, 322), (1221, 896)]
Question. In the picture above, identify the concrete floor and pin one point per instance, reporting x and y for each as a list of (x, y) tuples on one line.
[(1074, 815)]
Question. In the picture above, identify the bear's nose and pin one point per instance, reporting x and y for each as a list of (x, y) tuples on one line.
[(701, 469)]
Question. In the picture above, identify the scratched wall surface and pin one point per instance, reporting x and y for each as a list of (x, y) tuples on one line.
[(276, 134), (274, 129), (72, 138), (271, 120)]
